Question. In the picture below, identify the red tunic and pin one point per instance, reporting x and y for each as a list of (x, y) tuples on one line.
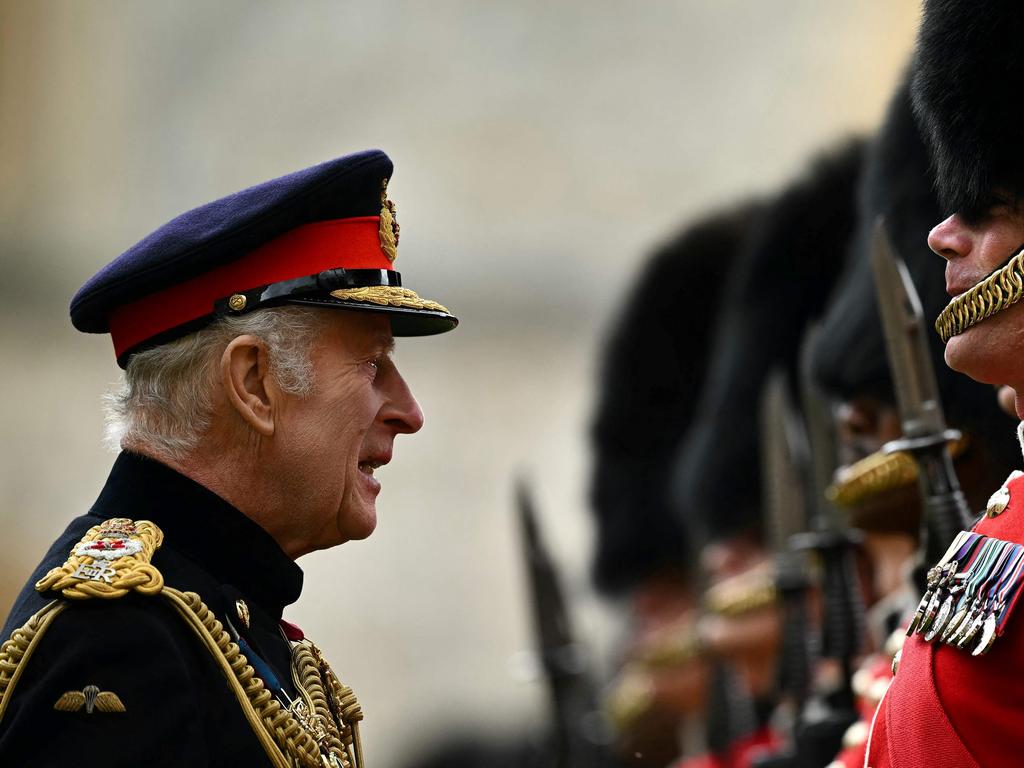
[(740, 755), (876, 673), (946, 707)]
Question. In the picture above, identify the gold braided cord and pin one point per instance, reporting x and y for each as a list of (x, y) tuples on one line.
[(388, 296), (284, 740), (1000, 290), (129, 573), (345, 707), (16, 651), (743, 593), (878, 474), (310, 682)]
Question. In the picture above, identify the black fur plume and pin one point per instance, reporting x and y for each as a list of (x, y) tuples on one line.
[(653, 368), (850, 359), (781, 283), (967, 91)]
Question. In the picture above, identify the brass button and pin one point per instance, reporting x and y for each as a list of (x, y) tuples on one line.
[(237, 302), (243, 612)]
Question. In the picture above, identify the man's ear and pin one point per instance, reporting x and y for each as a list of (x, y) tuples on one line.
[(245, 376)]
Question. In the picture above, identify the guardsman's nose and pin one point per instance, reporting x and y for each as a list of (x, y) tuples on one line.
[(951, 238)]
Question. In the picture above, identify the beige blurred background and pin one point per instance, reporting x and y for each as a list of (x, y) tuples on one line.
[(540, 149)]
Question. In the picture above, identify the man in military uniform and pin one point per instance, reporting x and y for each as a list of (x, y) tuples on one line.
[(879, 490), (260, 395), (657, 364), (798, 240), (955, 698), (654, 365)]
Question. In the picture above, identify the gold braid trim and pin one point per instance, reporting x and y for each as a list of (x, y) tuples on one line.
[(879, 474), (388, 296), (15, 653), (114, 577), (743, 593), (285, 741), (344, 706), (308, 671), (1000, 290)]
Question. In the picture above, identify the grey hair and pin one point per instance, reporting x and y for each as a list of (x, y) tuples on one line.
[(164, 402)]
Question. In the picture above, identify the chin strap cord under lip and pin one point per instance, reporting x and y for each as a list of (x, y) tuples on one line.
[(1000, 290)]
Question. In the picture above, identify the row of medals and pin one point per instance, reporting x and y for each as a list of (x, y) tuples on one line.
[(965, 609)]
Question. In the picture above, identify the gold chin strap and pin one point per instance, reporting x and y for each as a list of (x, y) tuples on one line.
[(1000, 290)]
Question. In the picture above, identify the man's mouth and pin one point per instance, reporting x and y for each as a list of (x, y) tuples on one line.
[(367, 467), (959, 284), (1001, 290)]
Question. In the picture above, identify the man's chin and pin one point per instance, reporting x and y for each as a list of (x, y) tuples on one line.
[(359, 524), (969, 354)]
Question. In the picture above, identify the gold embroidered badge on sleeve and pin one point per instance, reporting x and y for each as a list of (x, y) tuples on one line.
[(92, 698)]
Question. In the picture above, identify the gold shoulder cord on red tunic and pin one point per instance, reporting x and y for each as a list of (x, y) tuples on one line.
[(113, 559)]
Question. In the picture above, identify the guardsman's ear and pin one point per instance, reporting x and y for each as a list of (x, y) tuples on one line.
[(245, 376)]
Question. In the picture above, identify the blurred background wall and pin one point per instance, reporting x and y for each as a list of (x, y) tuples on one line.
[(540, 149)]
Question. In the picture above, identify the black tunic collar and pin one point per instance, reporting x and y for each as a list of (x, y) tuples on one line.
[(203, 527)]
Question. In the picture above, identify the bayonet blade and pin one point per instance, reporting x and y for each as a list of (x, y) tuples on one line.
[(917, 395), (821, 438), (782, 460), (551, 619)]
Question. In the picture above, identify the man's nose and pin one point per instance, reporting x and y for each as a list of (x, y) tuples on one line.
[(950, 238), (401, 411)]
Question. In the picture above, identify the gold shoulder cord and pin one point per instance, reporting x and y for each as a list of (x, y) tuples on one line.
[(15, 653), (1000, 290), (96, 570)]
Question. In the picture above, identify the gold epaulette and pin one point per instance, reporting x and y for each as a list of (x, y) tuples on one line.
[(319, 729), (110, 561)]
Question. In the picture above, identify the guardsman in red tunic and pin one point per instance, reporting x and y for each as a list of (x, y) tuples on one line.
[(760, 327), (956, 699)]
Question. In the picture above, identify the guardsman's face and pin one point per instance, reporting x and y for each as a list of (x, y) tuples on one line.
[(340, 434), (993, 350), (864, 425)]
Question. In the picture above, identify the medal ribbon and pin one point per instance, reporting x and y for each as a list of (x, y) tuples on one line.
[(1009, 589)]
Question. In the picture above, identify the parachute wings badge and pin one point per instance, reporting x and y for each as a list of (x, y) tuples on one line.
[(92, 698)]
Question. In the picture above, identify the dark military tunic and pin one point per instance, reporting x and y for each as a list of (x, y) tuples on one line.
[(178, 707)]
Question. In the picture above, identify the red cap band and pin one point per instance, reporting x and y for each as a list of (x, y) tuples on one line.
[(342, 243)]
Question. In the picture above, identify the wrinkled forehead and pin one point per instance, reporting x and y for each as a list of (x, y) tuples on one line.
[(356, 333)]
